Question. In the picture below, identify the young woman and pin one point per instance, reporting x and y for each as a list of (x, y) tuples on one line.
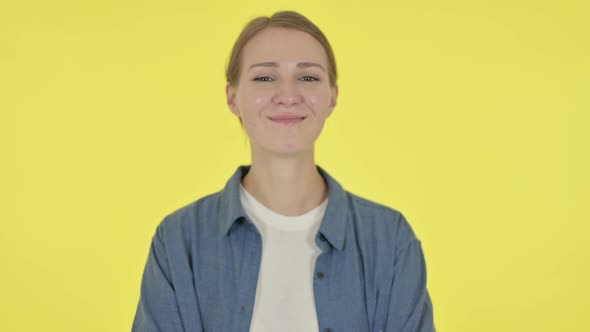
[(283, 247)]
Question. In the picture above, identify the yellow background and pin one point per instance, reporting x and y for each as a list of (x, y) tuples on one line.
[(470, 117)]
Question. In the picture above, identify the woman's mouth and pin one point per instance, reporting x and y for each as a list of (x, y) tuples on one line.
[(288, 120)]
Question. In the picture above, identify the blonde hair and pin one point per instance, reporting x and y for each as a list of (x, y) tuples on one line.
[(284, 19)]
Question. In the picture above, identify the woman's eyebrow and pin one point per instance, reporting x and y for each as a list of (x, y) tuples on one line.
[(274, 64), (310, 64)]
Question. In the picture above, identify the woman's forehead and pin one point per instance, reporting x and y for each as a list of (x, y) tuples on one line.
[(283, 45)]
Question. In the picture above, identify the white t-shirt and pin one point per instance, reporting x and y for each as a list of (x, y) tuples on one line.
[(284, 294)]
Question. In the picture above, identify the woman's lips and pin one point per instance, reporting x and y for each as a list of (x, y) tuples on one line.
[(287, 120)]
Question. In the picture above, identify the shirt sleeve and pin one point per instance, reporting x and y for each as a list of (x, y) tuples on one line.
[(410, 306), (158, 309)]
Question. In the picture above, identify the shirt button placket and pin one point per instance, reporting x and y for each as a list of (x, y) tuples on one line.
[(253, 254), (320, 275), (321, 290)]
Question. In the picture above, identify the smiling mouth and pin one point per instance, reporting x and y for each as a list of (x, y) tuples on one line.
[(288, 121)]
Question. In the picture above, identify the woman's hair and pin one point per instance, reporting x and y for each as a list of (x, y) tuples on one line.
[(284, 19)]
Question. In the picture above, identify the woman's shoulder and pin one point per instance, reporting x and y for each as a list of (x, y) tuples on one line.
[(194, 215), (377, 219), (372, 205), (370, 208), (194, 208)]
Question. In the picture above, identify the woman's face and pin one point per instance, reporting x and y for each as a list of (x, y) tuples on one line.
[(283, 95)]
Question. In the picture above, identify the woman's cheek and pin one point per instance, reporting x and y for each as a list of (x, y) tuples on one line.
[(314, 103), (260, 100)]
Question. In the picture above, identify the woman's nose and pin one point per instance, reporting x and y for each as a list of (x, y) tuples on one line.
[(287, 93)]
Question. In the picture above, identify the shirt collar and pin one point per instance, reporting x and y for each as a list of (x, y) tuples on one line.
[(333, 224)]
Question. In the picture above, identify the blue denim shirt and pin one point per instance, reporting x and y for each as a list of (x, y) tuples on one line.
[(202, 269)]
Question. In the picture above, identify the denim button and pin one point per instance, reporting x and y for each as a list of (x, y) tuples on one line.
[(320, 275)]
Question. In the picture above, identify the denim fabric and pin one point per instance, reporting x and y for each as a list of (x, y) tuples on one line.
[(202, 268)]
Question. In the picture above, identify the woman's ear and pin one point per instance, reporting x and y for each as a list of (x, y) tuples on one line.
[(333, 98), (230, 95)]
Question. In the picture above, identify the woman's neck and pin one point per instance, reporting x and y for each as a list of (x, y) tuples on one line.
[(287, 186)]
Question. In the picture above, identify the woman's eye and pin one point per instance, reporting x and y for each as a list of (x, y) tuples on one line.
[(310, 78), (263, 78)]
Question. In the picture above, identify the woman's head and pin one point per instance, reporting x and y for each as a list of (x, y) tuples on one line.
[(282, 19), (280, 69)]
